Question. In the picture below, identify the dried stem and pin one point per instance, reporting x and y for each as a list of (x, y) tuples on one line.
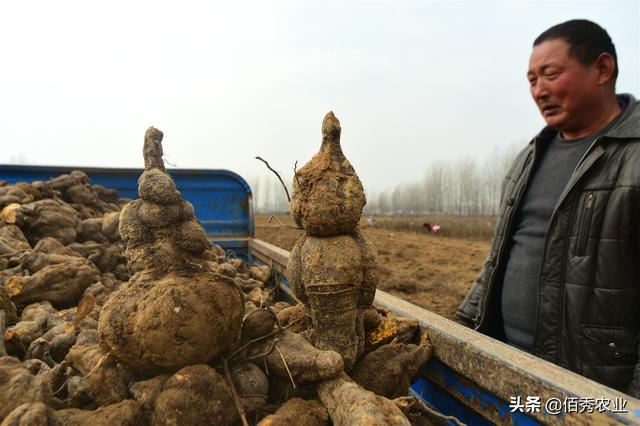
[(234, 394), (250, 342), (282, 224), (295, 173), (286, 366), (276, 173)]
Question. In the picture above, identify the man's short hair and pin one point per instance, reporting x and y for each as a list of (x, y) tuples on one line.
[(587, 40)]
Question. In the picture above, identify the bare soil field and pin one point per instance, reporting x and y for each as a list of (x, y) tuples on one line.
[(432, 271)]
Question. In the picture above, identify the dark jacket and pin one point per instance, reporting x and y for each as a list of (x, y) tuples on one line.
[(588, 318)]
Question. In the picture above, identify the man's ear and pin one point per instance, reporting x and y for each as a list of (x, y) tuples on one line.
[(605, 64)]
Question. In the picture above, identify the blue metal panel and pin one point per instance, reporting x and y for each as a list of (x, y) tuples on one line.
[(221, 199), (444, 402)]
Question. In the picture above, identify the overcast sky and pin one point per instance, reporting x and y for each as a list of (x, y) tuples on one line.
[(411, 82)]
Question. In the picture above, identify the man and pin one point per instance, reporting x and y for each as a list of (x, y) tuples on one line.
[(562, 280)]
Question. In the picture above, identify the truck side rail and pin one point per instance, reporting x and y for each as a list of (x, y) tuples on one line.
[(479, 379)]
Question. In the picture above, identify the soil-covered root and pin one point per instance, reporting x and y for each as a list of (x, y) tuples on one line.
[(390, 369), (336, 278), (91, 230), (251, 384), (160, 325), (294, 318), (106, 257), (349, 404), (110, 223), (44, 218), (13, 194), (125, 413), (195, 395), (29, 414), (146, 391), (392, 328), (293, 357), (31, 326), (8, 307), (103, 380), (18, 385), (260, 273), (247, 284), (12, 240), (61, 284), (296, 412), (53, 345), (327, 196), (257, 323)]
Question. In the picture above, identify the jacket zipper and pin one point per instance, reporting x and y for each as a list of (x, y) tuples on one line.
[(583, 230), (504, 239), (562, 197)]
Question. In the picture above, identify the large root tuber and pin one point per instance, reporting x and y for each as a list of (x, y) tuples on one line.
[(390, 370), (293, 357), (349, 404), (44, 218), (336, 278), (195, 395), (19, 385), (327, 195), (61, 284), (126, 413), (103, 381), (174, 312)]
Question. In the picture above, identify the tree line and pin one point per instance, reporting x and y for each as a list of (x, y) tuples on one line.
[(467, 186)]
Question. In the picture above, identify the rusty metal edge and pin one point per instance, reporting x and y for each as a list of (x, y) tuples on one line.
[(478, 357)]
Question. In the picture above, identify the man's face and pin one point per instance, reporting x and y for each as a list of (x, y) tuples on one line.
[(564, 90)]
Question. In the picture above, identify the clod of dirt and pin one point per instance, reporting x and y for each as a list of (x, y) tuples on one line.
[(327, 194), (161, 319), (296, 412)]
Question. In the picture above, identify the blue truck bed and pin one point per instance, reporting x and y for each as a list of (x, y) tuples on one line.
[(471, 376)]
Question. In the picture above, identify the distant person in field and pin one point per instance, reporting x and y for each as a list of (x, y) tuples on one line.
[(562, 280), (431, 227)]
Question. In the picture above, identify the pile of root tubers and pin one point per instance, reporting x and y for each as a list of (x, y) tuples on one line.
[(118, 311)]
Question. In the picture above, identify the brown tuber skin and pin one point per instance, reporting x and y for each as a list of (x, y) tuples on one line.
[(349, 404), (390, 370), (296, 412), (333, 267), (125, 413), (195, 395), (327, 194), (174, 311), (304, 362), (336, 278)]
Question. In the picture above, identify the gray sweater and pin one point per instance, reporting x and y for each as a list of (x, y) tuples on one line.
[(519, 300)]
